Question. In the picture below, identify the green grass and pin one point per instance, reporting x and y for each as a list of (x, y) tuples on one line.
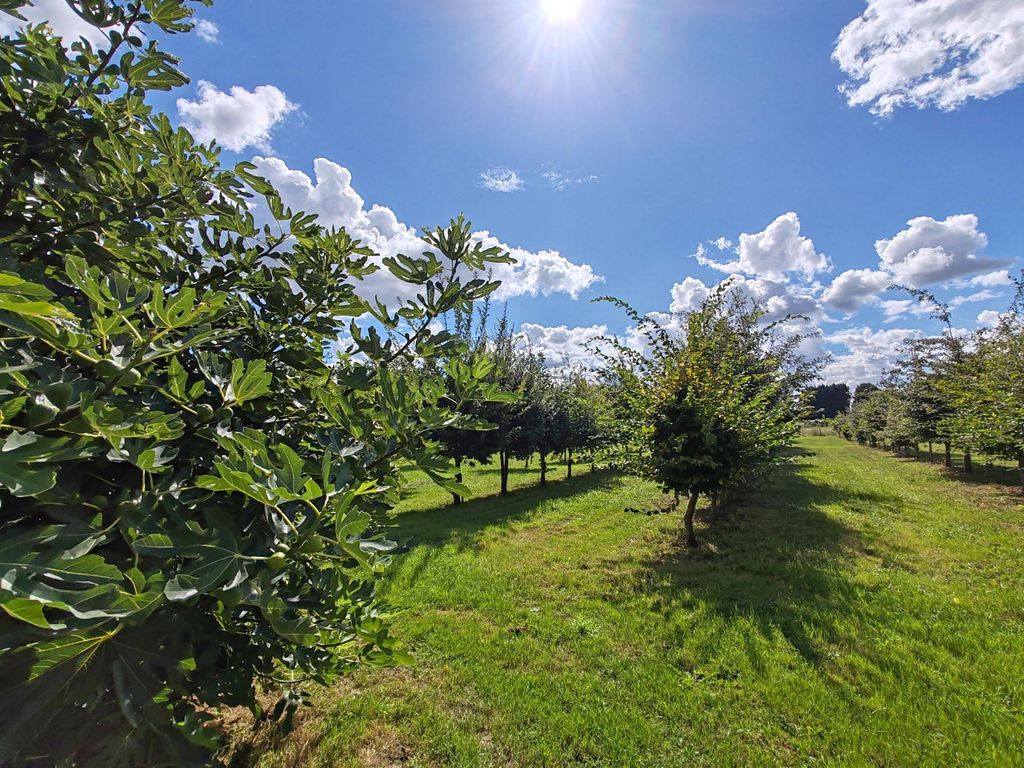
[(861, 610)]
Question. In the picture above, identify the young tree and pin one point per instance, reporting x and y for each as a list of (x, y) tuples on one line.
[(720, 401), (192, 496), (867, 414), (475, 439), (948, 360), (554, 435), (919, 375), (987, 392), (518, 417), (581, 405)]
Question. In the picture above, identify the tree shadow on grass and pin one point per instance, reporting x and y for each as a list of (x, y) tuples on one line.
[(985, 471), (775, 558), (462, 524)]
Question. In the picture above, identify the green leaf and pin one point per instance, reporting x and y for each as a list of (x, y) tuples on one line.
[(29, 611), (21, 455), (73, 650), (248, 382)]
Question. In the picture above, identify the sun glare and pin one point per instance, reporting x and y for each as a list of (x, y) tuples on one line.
[(561, 11)]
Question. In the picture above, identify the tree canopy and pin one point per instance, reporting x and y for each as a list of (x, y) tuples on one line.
[(192, 495)]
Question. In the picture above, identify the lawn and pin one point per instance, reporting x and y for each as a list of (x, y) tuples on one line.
[(861, 610)]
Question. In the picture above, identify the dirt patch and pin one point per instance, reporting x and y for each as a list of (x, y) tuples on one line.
[(382, 747)]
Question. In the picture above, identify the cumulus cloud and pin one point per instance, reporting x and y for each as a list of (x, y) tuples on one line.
[(64, 22), (543, 272), (929, 251), (866, 353), (333, 198), (688, 295), (779, 299), (989, 317), (237, 119), (207, 31), (855, 286), (561, 346), (502, 180), (925, 53), (774, 252), (776, 267)]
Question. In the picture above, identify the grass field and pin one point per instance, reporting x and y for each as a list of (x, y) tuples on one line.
[(861, 610)]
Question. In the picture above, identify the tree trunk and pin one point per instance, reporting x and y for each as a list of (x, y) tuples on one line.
[(543, 468), (503, 461), (1020, 466), (949, 455), (917, 451), (714, 503), (456, 499), (929, 450), (968, 465), (691, 507), (568, 465)]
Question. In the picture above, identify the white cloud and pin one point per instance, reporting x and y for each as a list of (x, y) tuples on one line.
[(855, 286), (776, 267), (772, 253), (501, 180), (992, 279), (688, 295), (237, 119), (931, 53), (929, 251), (989, 317), (543, 272), (985, 295), (562, 346), (64, 22), (896, 308), (332, 197), (561, 181), (868, 353), (779, 299), (207, 31)]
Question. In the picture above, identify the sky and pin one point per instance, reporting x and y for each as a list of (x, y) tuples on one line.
[(814, 153)]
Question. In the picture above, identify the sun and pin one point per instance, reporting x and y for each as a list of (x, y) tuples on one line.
[(561, 11)]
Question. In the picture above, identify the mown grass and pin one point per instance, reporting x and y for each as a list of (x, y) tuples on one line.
[(860, 610)]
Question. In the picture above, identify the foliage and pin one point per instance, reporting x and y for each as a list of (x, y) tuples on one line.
[(572, 633), (829, 400), (719, 401), (581, 401), (960, 389), (987, 394), (191, 496)]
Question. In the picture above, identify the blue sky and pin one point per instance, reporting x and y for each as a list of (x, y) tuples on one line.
[(637, 130)]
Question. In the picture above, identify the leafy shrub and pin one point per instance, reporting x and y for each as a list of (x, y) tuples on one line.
[(716, 398), (191, 488)]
